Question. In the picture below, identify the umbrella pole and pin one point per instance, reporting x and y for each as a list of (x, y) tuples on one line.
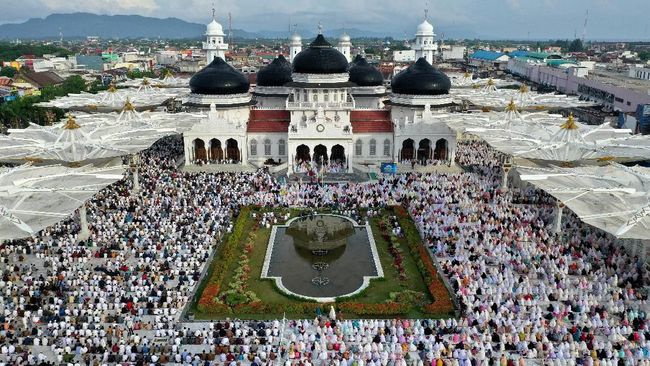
[(135, 162), (83, 222), (558, 217)]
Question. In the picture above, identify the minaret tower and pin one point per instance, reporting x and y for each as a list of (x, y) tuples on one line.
[(214, 45), (345, 45), (295, 45), (425, 40)]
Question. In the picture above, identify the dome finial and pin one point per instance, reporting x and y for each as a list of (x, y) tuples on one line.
[(320, 27), (213, 10)]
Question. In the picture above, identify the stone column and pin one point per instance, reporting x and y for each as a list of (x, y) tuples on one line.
[(558, 217)]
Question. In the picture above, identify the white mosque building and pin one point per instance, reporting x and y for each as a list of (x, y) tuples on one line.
[(319, 107)]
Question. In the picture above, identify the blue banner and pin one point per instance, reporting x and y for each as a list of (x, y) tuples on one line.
[(389, 168)]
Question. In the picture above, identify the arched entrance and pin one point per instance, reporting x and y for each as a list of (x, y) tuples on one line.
[(232, 150), (302, 153), (320, 154), (338, 154), (424, 150), (408, 150), (216, 152), (199, 150), (440, 153)]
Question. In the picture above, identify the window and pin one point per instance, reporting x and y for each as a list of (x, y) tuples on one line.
[(282, 147), (253, 147), (373, 147), (327, 96), (358, 148), (387, 147), (267, 147)]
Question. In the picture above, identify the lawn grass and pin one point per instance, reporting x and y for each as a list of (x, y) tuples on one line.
[(378, 292)]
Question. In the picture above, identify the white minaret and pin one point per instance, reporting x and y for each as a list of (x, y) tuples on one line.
[(214, 45), (425, 40), (295, 46), (345, 45)]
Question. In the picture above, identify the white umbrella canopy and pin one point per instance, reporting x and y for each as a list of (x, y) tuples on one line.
[(33, 198), (548, 137), (70, 141), (114, 99), (614, 198), (493, 98)]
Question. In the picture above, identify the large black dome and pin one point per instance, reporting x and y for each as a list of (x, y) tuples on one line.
[(277, 73), (421, 79), (364, 74), (219, 78), (320, 58)]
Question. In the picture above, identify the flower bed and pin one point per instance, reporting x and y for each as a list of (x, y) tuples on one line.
[(231, 287)]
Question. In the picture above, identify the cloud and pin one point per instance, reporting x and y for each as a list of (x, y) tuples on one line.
[(486, 18)]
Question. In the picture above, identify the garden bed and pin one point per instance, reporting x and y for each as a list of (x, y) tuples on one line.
[(232, 286)]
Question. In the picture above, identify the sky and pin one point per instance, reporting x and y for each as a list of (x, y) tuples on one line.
[(486, 19)]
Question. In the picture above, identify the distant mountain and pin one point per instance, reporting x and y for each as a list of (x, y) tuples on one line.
[(81, 25), (78, 25)]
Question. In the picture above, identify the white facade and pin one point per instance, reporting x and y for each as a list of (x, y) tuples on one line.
[(453, 53), (295, 46), (404, 56), (214, 44), (642, 73), (219, 137), (425, 42), (345, 46)]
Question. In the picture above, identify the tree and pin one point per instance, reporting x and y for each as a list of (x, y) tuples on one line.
[(576, 46), (8, 71), (644, 55)]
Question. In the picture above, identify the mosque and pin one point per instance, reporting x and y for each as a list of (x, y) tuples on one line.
[(320, 105)]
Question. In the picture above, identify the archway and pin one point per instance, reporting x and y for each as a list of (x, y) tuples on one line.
[(424, 150), (199, 150), (338, 154), (216, 152), (302, 153), (232, 150), (440, 153), (320, 154), (408, 150)]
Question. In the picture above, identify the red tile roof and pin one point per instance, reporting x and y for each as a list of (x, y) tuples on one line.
[(5, 81), (371, 121), (261, 120)]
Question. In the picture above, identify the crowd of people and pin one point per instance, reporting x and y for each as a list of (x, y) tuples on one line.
[(527, 295)]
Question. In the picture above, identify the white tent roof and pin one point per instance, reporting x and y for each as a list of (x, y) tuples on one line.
[(33, 198), (113, 98), (71, 142), (614, 198), (542, 136), (496, 98), (168, 81)]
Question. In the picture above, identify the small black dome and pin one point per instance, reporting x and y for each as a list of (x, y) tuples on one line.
[(320, 58), (277, 73), (364, 74), (421, 79), (356, 59), (219, 78)]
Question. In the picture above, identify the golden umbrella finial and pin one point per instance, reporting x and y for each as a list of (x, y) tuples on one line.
[(71, 123), (128, 106), (511, 107), (491, 82), (112, 88), (523, 88), (570, 123), (145, 82), (467, 74), (167, 73)]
